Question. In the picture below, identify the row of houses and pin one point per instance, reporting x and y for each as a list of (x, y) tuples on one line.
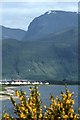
[(22, 82)]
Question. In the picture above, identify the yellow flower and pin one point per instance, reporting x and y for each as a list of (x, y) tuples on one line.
[(31, 103), (17, 93), (21, 98), (71, 115), (34, 109), (67, 101), (71, 110), (75, 117), (26, 110), (40, 116), (63, 112), (58, 104), (72, 101), (69, 95), (23, 108), (6, 116), (65, 116), (22, 115), (54, 101), (45, 106)]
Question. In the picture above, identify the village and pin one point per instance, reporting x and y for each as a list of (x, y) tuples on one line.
[(22, 82)]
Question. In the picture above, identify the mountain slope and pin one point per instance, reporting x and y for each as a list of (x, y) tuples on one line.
[(48, 50), (51, 22), (11, 33), (52, 58)]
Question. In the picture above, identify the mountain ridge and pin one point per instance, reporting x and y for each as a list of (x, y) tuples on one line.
[(41, 54), (14, 33), (49, 23)]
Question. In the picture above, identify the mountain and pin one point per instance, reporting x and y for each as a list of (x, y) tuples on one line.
[(51, 59), (51, 22), (50, 55), (6, 33)]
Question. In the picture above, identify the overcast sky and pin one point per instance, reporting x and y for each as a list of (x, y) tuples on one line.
[(20, 14)]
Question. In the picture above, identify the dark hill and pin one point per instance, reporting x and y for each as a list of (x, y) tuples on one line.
[(51, 22), (8, 33), (52, 58)]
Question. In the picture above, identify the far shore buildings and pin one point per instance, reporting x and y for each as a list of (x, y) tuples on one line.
[(21, 82)]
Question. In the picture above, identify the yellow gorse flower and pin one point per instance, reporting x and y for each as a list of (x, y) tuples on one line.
[(17, 93), (22, 115), (31, 108)]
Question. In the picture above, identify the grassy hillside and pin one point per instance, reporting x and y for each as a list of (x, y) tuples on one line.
[(51, 58)]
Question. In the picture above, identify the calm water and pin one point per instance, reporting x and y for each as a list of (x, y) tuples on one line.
[(45, 92)]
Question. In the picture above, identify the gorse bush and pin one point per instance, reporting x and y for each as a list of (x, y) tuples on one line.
[(31, 108), (61, 109)]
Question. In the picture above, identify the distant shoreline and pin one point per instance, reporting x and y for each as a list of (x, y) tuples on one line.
[(50, 83)]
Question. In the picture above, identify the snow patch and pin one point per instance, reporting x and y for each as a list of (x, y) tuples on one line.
[(50, 11), (54, 12)]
